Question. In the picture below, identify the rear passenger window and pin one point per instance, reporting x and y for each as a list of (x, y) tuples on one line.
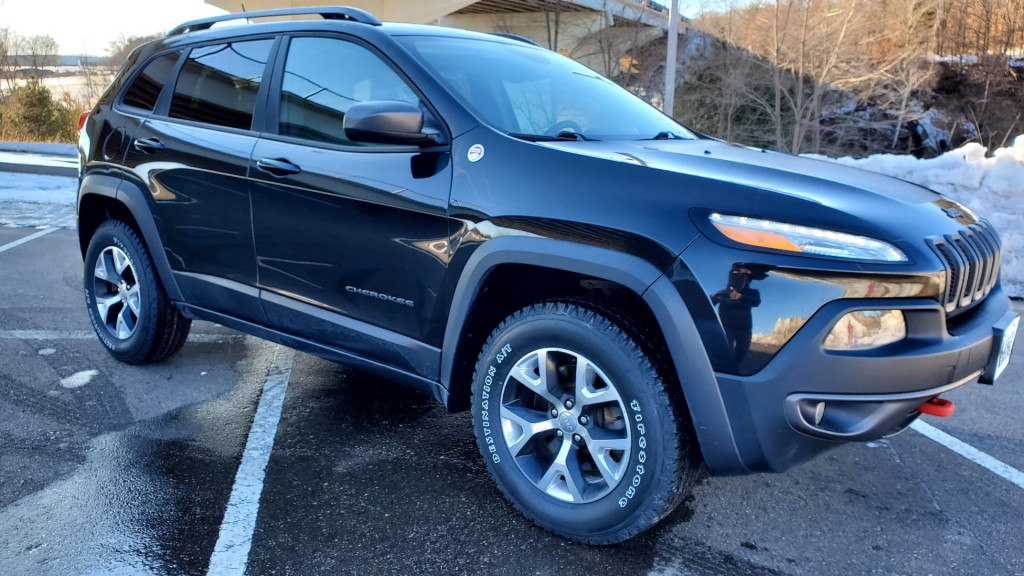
[(323, 78), (145, 89), (218, 84)]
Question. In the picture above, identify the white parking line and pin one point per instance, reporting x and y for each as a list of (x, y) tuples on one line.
[(971, 453), (88, 335), (231, 553), (28, 238)]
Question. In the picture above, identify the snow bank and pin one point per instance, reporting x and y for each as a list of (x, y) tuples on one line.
[(967, 59), (36, 148), (41, 188), (993, 187), (32, 159), (36, 200)]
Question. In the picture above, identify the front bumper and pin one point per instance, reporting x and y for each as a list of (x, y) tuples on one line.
[(807, 400)]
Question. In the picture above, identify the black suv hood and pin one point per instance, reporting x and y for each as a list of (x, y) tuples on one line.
[(776, 185), (814, 180)]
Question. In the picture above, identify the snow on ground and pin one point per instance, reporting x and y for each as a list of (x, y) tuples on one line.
[(40, 148), (968, 59), (35, 214), (36, 199), (15, 186), (34, 159), (992, 187)]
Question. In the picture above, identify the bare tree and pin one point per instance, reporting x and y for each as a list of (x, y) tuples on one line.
[(122, 46), (615, 45), (6, 63), (905, 65), (553, 23), (40, 51)]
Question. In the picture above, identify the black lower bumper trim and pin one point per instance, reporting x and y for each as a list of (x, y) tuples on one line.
[(851, 417)]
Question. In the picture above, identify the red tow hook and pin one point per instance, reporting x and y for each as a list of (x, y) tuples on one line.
[(938, 407)]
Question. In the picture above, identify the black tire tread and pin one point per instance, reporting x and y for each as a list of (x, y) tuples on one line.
[(681, 461), (658, 357), (169, 329)]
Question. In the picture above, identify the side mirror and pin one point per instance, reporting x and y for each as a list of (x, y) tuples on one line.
[(387, 122)]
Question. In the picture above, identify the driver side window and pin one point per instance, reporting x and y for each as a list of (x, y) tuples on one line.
[(323, 78)]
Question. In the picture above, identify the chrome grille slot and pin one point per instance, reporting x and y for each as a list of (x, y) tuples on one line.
[(972, 259)]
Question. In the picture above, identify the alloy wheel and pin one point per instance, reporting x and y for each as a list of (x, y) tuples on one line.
[(564, 424), (116, 292)]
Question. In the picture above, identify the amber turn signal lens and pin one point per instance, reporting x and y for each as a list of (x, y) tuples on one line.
[(803, 239), (759, 238)]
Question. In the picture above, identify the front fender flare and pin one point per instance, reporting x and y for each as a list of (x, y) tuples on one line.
[(693, 369)]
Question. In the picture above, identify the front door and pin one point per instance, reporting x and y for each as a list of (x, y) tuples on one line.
[(347, 234)]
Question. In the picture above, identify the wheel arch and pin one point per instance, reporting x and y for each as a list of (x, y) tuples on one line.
[(102, 197), (637, 282)]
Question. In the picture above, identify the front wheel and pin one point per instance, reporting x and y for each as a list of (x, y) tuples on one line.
[(128, 308), (576, 425)]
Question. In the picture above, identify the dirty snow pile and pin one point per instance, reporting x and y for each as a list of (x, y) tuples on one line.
[(991, 186), (37, 200)]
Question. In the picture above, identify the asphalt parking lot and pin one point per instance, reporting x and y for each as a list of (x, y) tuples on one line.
[(112, 469)]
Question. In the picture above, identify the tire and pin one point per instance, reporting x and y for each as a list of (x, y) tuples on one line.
[(598, 458), (127, 305)]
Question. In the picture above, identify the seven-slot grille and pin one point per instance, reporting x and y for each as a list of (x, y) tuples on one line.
[(972, 259)]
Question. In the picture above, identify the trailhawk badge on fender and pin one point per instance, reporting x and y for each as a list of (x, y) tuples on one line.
[(476, 153)]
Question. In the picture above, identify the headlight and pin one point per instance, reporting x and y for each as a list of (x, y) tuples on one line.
[(803, 239), (867, 329)]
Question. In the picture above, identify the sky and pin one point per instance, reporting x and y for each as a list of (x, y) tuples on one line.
[(89, 26)]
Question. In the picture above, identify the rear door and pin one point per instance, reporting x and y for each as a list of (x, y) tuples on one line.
[(192, 156), (347, 234), (107, 144)]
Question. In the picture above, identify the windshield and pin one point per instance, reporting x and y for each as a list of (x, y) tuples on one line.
[(536, 94)]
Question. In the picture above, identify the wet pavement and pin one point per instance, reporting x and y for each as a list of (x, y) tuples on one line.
[(113, 469)]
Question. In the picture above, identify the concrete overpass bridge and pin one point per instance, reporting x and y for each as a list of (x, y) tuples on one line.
[(598, 33)]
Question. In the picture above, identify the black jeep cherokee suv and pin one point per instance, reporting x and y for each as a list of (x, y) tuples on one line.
[(616, 298)]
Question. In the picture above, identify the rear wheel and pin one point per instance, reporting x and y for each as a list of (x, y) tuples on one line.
[(577, 426), (128, 308)]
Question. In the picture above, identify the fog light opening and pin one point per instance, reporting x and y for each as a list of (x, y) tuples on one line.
[(866, 329)]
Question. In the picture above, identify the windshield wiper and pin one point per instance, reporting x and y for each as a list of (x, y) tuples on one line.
[(561, 137), (666, 135)]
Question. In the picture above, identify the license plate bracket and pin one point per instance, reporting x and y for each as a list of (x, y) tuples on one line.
[(1002, 348)]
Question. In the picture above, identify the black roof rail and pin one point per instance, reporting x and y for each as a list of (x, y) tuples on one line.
[(516, 38), (326, 12)]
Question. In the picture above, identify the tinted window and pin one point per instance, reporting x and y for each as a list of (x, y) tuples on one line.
[(525, 90), (145, 89), (218, 84), (323, 78)]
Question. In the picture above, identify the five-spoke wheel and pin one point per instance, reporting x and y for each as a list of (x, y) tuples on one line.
[(127, 305), (577, 425), (116, 293), (563, 423)]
